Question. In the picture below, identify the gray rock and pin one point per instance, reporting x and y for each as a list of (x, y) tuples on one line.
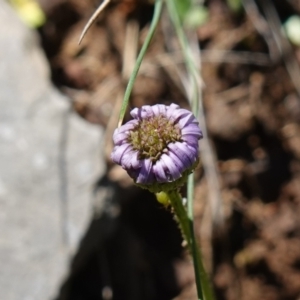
[(49, 160)]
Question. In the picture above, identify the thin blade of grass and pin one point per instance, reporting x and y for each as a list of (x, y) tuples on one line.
[(203, 286), (156, 16)]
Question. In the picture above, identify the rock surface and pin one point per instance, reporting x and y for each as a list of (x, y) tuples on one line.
[(49, 160)]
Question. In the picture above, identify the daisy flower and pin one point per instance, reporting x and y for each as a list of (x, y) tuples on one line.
[(159, 147)]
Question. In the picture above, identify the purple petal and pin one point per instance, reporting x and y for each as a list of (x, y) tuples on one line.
[(155, 110), (178, 162), (192, 129), (146, 112), (170, 165), (142, 113), (126, 127), (159, 172), (120, 138), (145, 172), (188, 119), (183, 157), (159, 109), (119, 151), (171, 110), (193, 152), (136, 113), (162, 109), (186, 153), (179, 113), (131, 160), (191, 140), (121, 134)]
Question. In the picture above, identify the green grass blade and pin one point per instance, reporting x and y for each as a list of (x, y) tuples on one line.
[(202, 282), (156, 17)]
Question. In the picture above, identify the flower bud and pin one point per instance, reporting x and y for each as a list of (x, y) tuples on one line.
[(159, 147)]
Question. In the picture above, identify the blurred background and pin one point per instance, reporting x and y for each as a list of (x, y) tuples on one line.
[(73, 226)]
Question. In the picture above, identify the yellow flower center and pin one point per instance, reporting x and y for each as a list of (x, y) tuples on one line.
[(152, 136)]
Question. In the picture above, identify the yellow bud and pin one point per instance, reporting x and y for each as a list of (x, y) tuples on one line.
[(163, 198)]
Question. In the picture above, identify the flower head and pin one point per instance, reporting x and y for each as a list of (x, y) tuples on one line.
[(159, 147)]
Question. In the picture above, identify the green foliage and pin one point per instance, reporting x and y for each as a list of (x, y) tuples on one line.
[(191, 15), (155, 20), (234, 5), (182, 7)]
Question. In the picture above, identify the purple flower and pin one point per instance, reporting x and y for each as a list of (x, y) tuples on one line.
[(159, 146)]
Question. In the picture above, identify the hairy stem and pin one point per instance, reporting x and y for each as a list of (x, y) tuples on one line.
[(203, 287)]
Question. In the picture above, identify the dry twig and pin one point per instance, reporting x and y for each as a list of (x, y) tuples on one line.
[(93, 18)]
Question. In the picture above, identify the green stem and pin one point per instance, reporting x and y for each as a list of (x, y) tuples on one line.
[(180, 212), (202, 282), (190, 212), (156, 16), (184, 222), (203, 287), (200, 272)]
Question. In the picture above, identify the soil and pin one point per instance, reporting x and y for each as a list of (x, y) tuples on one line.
[(252, 109)]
